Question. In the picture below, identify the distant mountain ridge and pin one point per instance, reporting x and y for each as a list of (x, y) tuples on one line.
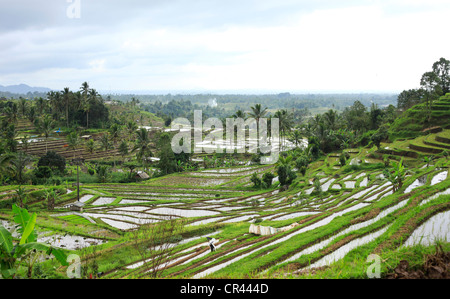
[(23, 89)]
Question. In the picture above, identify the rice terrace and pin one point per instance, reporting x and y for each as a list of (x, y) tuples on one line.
[(91, 186)]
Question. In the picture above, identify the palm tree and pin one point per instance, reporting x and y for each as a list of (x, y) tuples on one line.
[(114, 131), (90, 145), (239, 114), (45, 126), (18, 163), (86, 105), (142, 146), (123, 149), (21, 196), (131, 128), (296, 137), (25, 143), (73, 140), (285, 173), (51, 196), (330, 118), (66, 96), (5, 165), (10, 136), (257, 113), (285, 122), (105, 142), (23, 105)]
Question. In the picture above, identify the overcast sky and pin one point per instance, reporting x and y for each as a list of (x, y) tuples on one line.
[(227, 45)]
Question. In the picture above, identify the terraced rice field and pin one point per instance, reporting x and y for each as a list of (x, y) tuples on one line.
[(313, 230)]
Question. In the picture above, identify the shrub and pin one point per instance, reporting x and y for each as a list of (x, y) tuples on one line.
[(256, 180), (53, 160), (267, 179)]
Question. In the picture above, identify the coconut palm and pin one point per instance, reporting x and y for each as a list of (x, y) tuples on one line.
[(257, 113), (142, 146), (285, 122), (239, 114), (66, 97), (73, 140), (90, 145), (105, 142), (5, 164), (18, 163), (296, 137), (131, 127), (114, 132), (45, 127), (85, 104)]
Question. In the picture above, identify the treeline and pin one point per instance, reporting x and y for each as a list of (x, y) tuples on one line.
[(433, 84), (271, 101), (66, 108)]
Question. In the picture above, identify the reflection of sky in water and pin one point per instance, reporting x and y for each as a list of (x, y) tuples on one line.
[(435, 228)]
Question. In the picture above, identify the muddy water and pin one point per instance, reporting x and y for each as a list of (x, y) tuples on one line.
[(435, 228)]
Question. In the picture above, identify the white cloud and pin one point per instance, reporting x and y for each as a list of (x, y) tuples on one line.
[(375, 46)]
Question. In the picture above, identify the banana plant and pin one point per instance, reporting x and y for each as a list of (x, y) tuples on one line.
[(396, 175), (15, 251)]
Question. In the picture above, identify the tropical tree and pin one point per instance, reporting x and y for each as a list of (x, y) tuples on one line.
[(90, 146), (285, 122), (45, 127), (331, 119), (131, 128), (301, 163), (21, 195), (10, 136), (430, 82), (239, 114), (284, 169), (5, 165), (396, 174), (142, 146), (66, 96), (296, 137), (257, 113), (23, 106), (86, 105), (123, 149), (18, 164), (73, 141), (442, 70), (105, 142), (51, 196), (114, 132), (102, 173)]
